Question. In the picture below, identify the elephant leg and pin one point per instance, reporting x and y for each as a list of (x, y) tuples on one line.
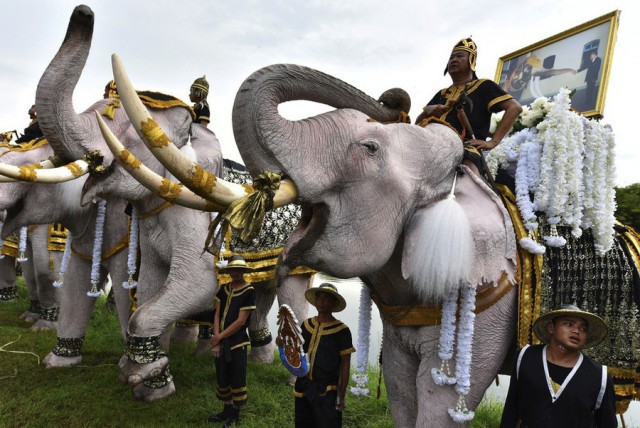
[(440, 398), (400, 367), (261, 340), (75, 313), (33, 313), (8, 288), (47, 293), (117, 271)]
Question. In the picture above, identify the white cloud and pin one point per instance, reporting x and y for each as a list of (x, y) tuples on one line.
[(374, 45)]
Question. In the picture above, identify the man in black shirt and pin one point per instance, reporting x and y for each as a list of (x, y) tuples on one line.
[(555, 385), (486, 97), (32, 131), (234, 303), (320, 395), (198, 95)]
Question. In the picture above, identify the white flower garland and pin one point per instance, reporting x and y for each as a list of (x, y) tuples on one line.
[(65, 261), (97, 249), (599, 200), (22, 245), (132, 257), (364, 330), (559, 194), (568, 165), (464, 352), (442, 376)]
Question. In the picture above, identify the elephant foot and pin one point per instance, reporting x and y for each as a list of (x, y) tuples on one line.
[(135, 373), (42, 325), (53, 361), (184, 333), (28, 316), (148, 394), (262, 354)]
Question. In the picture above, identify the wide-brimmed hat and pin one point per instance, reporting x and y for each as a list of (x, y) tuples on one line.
[(598, 329), (326, 287), (236, 263)]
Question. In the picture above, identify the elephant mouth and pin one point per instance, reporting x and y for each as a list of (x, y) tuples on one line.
[(311, 226)]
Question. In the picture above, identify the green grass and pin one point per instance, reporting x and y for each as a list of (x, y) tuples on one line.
[(90, 396)]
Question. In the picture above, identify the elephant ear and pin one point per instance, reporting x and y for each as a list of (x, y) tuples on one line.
[(471, 239)]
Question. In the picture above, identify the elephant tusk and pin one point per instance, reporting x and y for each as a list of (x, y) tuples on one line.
[(160, 186), (38, 173), (196, 178), (46, 164)]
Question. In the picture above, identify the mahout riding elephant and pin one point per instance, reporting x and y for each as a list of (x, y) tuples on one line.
[(176, 278), (367, 192), (29, 202)]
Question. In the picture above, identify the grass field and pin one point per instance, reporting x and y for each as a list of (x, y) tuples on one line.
[(89, 395)]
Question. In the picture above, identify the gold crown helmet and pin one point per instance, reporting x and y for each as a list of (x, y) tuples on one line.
[(466, 45), (202, 85), (112, 91)]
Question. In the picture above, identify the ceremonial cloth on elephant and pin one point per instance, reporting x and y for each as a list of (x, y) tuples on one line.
[(10, 246), (57, 237)]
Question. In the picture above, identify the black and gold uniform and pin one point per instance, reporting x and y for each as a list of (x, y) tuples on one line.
[(202, 112), (485, 96), (316, 393), (31, 132), (231, 365)]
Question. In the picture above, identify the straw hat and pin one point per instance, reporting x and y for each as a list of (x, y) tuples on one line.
[(598, 329), (237, 262), (326, 287)]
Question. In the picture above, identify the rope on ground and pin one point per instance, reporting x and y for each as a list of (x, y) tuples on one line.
[(18, 352)]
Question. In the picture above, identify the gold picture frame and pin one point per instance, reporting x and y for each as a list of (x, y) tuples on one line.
[(578, 58)]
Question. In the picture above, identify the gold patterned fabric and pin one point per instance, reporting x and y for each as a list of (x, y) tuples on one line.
[(57, 237)]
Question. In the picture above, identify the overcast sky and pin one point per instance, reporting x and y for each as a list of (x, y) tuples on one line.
[(374, 45)]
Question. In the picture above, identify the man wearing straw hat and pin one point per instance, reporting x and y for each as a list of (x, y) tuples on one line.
[(319, 396), (555, 384), (234, 303)]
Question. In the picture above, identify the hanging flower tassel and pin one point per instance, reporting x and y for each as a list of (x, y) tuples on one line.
[(132, 257), (531, 245), (364, 330), (65, 261), (97, 249), (461, 413), (442, 376), (22, 245), (554, 240)]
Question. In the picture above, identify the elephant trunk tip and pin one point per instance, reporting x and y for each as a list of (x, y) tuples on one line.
[(396, 99)]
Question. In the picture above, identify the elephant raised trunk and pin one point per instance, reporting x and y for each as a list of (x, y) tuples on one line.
[(255, 111), (66, 131)]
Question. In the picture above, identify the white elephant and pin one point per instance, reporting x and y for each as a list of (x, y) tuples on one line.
[(24, 202), (176, 277)]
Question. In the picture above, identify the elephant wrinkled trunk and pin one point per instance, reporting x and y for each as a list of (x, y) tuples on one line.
[(261, 132), (61, 125)]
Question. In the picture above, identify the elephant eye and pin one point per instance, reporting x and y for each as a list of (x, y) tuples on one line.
[(371, 147)]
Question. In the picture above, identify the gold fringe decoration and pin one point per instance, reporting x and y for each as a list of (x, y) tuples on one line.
[(246, 214), (110, 110)]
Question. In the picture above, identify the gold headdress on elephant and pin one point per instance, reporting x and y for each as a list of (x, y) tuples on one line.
[(200, 87), (111, 91), (466, 45)]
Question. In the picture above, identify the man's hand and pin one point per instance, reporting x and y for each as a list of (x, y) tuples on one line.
[(432, 110), (215, 350), (215, 340), (340, 404), (482, 145)]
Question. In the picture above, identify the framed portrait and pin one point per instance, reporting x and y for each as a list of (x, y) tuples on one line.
[(578, 58)]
